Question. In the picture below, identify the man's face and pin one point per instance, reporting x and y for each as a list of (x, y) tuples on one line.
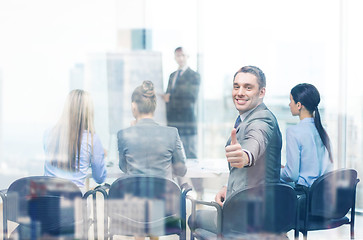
[(181, 58), (246, 93)]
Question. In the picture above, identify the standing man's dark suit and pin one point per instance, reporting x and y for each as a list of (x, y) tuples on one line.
[(181, 101), (180, 110)]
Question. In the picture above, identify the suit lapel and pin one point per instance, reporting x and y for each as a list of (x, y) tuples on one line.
[(242, 125), (258, 108), (171, 79), (182, 77)]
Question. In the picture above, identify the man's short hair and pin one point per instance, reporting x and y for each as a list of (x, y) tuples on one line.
[(182, 49), (255, 71), (179, 49)]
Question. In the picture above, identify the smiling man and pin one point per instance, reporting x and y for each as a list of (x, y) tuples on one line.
[(254, 149)]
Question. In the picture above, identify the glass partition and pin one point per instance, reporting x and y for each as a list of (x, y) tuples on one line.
[(49, 48)]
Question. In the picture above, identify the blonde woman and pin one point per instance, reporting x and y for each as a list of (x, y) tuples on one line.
[(72, 146)]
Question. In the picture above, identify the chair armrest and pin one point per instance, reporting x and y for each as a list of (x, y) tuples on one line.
[(185, 188), (93, 192), (102, 189), (302, 188), (87, 220), (2, 195), (105, 186), (5, 217), (212, 204), (88, 193), (305, 190), (205, 203)]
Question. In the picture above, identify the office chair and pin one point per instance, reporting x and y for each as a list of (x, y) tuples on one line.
[(47, 206), (142, 205), (266, 210), (329, 199)]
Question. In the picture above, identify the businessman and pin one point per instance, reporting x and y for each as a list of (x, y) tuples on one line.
[(181, 100), (253, 151)]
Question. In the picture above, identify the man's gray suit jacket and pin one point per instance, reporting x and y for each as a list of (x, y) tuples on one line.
[(259, 133)]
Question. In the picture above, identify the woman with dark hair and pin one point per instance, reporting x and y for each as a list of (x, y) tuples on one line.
[(146, 147), (308, 150)]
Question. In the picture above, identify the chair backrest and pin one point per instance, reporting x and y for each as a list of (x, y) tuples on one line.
[(333, 194), (47, 201), (145, 205), (269, 208)]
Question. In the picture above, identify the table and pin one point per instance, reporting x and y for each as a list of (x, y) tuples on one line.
[(200, 168)]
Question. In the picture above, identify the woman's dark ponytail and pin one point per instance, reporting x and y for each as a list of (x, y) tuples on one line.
[(323, 135)]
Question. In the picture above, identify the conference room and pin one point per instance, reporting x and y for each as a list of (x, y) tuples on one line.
[(109, 48)]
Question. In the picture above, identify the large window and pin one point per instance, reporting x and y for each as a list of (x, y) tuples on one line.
[(354, 96), (48, 48)]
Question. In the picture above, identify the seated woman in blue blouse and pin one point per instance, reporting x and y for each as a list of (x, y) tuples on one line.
[(308, 151), (72, 146)]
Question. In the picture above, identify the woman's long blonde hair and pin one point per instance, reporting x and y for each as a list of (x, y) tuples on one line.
[(65, 138)]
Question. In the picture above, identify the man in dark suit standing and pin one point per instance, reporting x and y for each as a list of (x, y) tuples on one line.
[(181, 100)]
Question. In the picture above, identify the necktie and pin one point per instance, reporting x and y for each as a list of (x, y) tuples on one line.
[(176, 78), (238, 121)]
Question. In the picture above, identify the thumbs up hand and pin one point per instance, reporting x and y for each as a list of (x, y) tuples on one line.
[(234, 137), (234, 153)]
